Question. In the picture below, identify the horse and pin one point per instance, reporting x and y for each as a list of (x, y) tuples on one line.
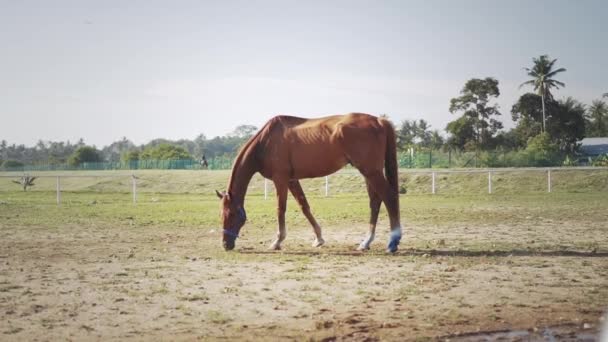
[(288, 148)]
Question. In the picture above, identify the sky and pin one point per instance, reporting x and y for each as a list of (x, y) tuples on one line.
[(103, 70)]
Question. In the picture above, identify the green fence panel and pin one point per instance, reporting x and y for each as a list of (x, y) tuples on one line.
[(421, 158)]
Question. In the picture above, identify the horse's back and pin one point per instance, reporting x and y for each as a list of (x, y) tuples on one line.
[(332, 122), (308, 148)]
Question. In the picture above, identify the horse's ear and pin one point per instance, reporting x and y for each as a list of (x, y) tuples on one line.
[(219, 194)]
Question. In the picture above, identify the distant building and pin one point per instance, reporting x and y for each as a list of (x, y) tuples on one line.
[(593, 147)]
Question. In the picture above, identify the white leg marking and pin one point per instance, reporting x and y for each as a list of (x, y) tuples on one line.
[(365, 243), (276, 245), (318, 242), (396, 232)]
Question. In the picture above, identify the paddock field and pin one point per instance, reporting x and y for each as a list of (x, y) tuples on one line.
[(520, 262)]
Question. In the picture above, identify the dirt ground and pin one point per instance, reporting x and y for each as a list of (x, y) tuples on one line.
[(101, 282)]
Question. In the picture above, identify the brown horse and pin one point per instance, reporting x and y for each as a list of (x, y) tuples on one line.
[(289, 148)]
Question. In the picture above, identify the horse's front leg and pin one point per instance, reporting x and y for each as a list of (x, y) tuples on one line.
[(281, 188), (298, 194)]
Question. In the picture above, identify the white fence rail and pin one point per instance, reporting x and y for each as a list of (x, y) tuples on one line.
[(432, 172), (59, 177), (489, 172)]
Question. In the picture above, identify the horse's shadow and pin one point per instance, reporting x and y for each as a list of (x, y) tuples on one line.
[(438, 252)]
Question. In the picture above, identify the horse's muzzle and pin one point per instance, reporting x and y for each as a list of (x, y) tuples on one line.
[(229, 244)]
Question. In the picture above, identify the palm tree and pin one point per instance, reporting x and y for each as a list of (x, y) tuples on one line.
[(542, 79), (597, 116), (25, 182)]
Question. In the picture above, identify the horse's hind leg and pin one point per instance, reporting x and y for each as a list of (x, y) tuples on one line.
[(281, 188), (298, 194), (374, 205), (391, 201)]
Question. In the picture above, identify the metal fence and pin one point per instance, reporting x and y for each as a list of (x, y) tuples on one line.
[(411, 159)]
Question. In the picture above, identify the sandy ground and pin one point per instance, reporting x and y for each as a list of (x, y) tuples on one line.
[(156, 283)]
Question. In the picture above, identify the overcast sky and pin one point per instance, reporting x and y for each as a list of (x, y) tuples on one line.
[(102, 70)]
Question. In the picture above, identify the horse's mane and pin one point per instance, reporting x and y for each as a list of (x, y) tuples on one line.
[(247, 149)]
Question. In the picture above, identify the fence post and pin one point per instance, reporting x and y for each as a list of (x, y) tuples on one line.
[(265, 188), (449, 158), (134, 183), (433, 183), (548, 180), (411, 157), (326, 186), (489, 182), (430, 158), (58, 191)]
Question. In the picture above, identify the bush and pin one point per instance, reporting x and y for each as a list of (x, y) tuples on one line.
[(85, 154), (601, 160), (12, 164), (491, 159), (569, 162), (165, 152), (540, 152)]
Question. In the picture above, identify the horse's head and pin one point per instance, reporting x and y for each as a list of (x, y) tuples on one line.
[(233, 218)]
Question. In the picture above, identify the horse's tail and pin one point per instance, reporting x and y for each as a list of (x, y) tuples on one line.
[(391, 169)]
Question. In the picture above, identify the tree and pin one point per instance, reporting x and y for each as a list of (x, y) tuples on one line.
[(423, 133), (165, 152), (243, 131), (416, 133), (475, 105), (199, 145), (407, 134), (436, 140), (115, 150), (597, 119), (527, 112), (85, 154), (509, 140), (542, 74), (129, 156), (155, 142), (462, 133), (3, 150), (566, 126)]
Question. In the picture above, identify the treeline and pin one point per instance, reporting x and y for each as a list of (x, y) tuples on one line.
[(547, 131), (74, 154)]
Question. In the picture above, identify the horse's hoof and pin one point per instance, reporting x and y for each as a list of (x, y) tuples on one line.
[(363, 247), (274, 247), (393, 245), (318, 243), (394, 240)]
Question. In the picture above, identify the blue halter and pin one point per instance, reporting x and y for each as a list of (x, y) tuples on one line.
[(229, 233), (243, 216)]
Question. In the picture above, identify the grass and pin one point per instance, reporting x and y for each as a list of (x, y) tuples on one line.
[(506, 181), (343, 213), (190, 210)]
